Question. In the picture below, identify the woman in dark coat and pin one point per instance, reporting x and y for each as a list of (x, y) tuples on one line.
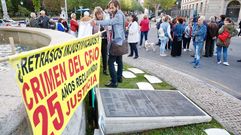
[(178, 31)]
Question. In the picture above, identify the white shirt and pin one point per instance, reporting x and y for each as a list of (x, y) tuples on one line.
[(85, 29), (134, 33)]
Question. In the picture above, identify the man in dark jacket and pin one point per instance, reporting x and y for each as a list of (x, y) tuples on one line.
[(212, 33), (43, 20), (221, 22)]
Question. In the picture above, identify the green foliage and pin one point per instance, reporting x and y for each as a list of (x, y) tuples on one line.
[(54, 6), (156, 4), (130, 5), (23, 11), (37, 5), (15, 4), (93, 3)]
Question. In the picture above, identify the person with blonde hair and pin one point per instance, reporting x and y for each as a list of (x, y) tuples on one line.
[(33, 20), (74, 26), (85, 28), (99, 15)]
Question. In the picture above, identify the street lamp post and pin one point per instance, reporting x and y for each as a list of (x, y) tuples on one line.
[(5, 10), (66, 10)]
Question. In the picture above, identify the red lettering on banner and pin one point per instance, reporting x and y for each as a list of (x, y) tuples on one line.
[(91, 56), (56, 107), (72, 104), (36, 89), (24, 90), (43, 85), (75, 65), (51, 79)]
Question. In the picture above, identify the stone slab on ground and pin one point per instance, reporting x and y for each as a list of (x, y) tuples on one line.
[(216, 131), (152, 79), (124, 111), (144, 86), (136, 70), (128, 75)]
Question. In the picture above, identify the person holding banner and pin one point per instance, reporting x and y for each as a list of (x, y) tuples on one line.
[(118, 36), (99, 15)]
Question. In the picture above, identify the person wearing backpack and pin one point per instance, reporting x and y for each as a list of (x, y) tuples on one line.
[(227, 31), (164, 34)]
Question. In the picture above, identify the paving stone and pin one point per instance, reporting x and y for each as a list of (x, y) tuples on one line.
[(128, 75), (152, 79), (144, 86), (216, 131), (136, 70)]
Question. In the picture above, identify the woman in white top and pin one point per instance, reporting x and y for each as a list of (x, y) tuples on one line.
[(85, 28), (133, 36)]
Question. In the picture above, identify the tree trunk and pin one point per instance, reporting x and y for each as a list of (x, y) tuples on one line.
[(157, 6)]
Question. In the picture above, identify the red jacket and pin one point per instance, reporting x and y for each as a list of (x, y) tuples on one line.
[(145, 25), (74, 25)]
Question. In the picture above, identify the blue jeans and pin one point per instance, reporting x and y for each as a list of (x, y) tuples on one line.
[(113, 75), (142, 35), (163, 45), (219, 53), (198, 46)]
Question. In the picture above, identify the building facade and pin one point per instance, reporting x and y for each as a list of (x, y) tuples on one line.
[(208, 8)]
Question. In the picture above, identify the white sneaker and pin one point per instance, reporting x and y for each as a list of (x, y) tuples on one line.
[(219, 62), (225, 63), (190, 50), (163, 55), (184, 50)]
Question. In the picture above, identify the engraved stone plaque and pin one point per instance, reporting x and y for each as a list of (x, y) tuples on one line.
[(145, 103)]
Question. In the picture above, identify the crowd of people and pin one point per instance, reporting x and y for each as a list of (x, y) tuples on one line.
[(173, 34), (208, 33)]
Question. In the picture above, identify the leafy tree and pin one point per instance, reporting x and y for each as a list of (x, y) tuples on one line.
[(130, 5), (53, 6), (94, 3), (15, 4), (37, 5), (159, 4)]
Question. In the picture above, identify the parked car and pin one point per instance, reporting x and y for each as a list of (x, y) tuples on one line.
[(4, 22)]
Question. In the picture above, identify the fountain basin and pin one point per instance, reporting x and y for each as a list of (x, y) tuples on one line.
[(13, 117)]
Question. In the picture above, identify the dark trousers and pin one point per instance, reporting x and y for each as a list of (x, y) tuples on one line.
[(133, 49), (113, 74), (104, 53), (186, 42), (239, 32), (209, 47), (142, 35), (176, 47)]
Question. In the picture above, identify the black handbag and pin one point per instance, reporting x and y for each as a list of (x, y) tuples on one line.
[(119, 50)]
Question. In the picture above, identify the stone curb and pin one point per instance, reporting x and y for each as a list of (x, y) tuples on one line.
[(225, 108)]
